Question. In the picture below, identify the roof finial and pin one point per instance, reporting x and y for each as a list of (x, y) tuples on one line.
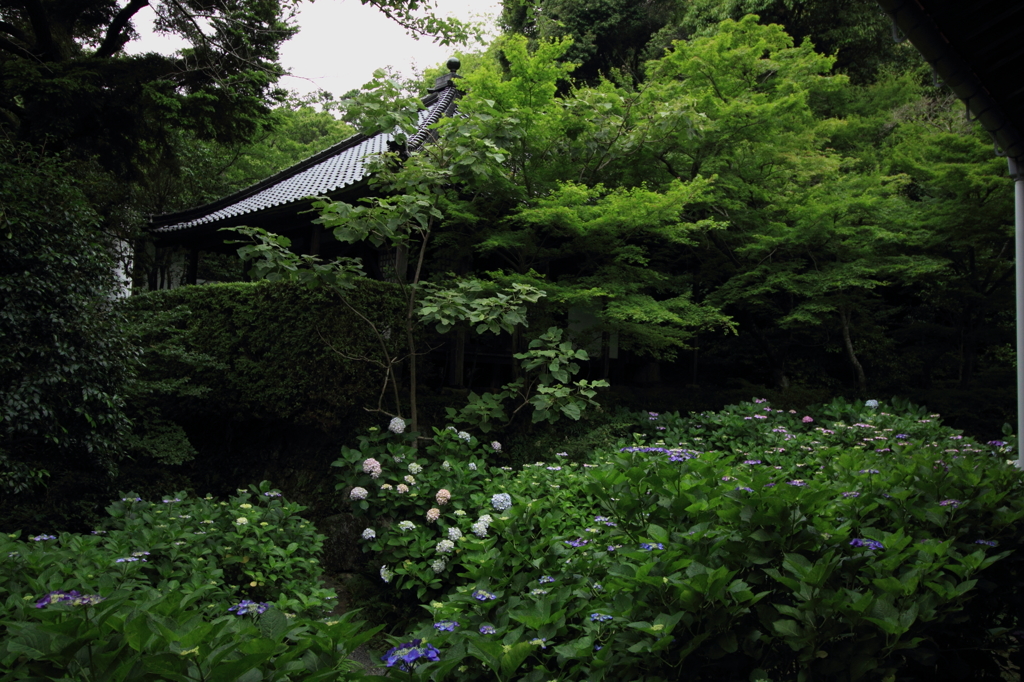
[(454, 64)]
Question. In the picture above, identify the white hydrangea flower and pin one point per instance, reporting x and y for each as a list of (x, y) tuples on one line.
[(433, 515), (472, 466), (501, 501), (397, 425), (406, 525), (415, 468), (358, 493), (372, 467), (369, 534), (386, 573), (241, 521), (479, 529), (460, 512), (486, 518), (445, 546), (464, 436), (454, 534), (410, 480), (438, 565), (446, 466), (497, 446)]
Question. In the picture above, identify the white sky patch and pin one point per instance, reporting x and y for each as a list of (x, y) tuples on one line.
[(342, 42)]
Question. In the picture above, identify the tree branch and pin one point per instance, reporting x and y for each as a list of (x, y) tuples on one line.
[(8, 45), (13, 31), (40, 27), (115, 38)]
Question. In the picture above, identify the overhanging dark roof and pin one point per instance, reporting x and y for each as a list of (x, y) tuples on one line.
[(327, 172), (977, 48)]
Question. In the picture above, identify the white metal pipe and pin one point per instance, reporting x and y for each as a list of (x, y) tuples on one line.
[(1017, 174)]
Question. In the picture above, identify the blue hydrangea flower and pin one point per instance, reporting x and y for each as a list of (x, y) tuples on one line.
[(484, 595), (487, 629), (545, 579), (989, 543), (600, 618), (246, 606), (868, 544), (446, 625), (501, 501), (406, 655), (578, 542), (651, 546)]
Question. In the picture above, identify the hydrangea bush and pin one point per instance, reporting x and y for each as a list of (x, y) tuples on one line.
[(849, 542), (175, 588), (418, 530)]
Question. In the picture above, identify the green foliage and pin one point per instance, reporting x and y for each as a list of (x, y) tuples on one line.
[(613, 38), (548, 365), (843, 551), (468, 303), (65, 359), (149, 598), (304, 368)]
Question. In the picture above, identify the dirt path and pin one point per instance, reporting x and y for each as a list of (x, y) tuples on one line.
[(361, 655)]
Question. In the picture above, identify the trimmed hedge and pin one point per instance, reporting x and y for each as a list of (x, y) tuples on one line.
[(268, 350)]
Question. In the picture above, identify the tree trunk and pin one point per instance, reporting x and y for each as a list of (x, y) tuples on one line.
[(776, 364), (862, 383)]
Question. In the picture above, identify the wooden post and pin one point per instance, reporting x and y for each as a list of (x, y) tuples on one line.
[(314, 240), (192, 274), (460, 358)]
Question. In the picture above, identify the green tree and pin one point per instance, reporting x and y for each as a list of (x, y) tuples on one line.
[(64, 359), (65, 81)]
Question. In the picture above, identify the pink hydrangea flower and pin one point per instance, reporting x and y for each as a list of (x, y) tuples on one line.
[(443, 496), (372, 467), (358, 493), (433, 514), (807, 420), (402, 488)]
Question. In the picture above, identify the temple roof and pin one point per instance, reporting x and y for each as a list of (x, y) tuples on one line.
[(335, 168)]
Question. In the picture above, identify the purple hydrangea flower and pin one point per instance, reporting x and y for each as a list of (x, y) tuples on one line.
[(545, 579), (989, 543), (869, 544), (72, 597), (487, 629), (950, 503), (484, 595), (246, 606), (406, 655), (651, 546), (446, 625), (578, 542)]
